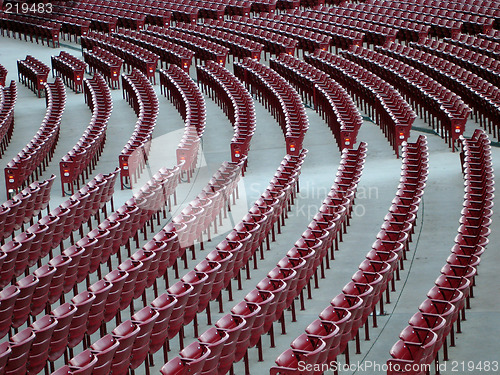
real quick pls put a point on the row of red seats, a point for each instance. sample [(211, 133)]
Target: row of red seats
[(168, 52), (272, 42), (493, 35), (274, 91), (329, 335), (263, 6), (484, 66), (22, 24), (238, 46), (311, 3), (227, 342), (439, 26), (381, 100), (3, 75), (133, 56), (328, 98), (235, 101), (129, 19), (429, 328), (8, 98), (33, 73), (32, 159), (22, 208), (481, 95), (340, 37), (287, 4), (374, 34), (70, 68), (153, 15), (71, 25), (308, 40), (31, 246), (233, 8), (471, 23), (83, 157), (203, 49), (407, 29), (483, 7), (101, 61), (88, 309), (98, 21), (140, 94), (477, 44), (185, 95), (439, 102)]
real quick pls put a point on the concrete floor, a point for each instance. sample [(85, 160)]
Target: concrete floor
[(435, 232)]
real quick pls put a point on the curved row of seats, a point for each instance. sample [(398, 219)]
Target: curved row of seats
[(407, 30), (204, 49), (140, 94), (470, 23), (429, 328), (134, 57), (186, 96), (482, 96), (493, 35), (391, 112), (22, 24), (31, 246), (484, 66), (83, 157), (374, 34), (8, 98), (307, 40), (235, 101), (340, 37), (124, 18), (26, 166), (227, 342), (23, 207), (272, 42), (433, 25), (221, 265), (71, 322), (105, 62), (477, 44), (329, 98), (33, 73), (329, 335), (439, 102), (274, 91), (168, 52), (70, 68), (238, 46)]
